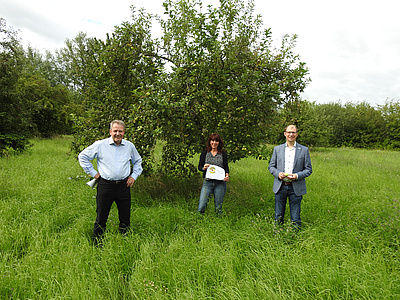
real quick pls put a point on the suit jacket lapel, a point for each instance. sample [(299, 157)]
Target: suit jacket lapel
[(283, 155), (296, 155)]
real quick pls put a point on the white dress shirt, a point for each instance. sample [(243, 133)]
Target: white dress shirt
[(289, 158)]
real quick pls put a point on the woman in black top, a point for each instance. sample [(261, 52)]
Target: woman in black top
[(217, 156)]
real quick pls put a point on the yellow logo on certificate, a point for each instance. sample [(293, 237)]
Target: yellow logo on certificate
[(215, 172)]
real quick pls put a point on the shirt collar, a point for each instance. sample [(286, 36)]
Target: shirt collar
[(111, 141), (294, 146)]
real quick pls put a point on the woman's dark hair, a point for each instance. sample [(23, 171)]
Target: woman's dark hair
[(215, 137)]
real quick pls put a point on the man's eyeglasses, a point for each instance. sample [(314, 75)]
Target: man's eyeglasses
[(291, 132)]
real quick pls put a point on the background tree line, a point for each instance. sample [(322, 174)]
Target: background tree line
[(34, 98), (213, 69), (334, 124)]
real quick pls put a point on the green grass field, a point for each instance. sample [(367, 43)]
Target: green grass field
[(348, 247)]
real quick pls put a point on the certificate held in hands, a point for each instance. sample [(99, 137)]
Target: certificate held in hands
[(215, 172)]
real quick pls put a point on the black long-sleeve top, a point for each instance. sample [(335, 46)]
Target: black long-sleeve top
[(202, 162)]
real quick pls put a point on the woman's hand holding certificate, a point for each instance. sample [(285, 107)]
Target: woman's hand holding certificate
[(215, 172)]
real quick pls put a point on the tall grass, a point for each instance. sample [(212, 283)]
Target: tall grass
[(348, 247)]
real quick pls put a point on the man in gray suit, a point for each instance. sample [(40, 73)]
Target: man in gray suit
[(290, 164)]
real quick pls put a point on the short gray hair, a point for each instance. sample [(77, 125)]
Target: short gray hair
[(119, 122)]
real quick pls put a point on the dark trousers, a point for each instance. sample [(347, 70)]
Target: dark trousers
[(107, 193)]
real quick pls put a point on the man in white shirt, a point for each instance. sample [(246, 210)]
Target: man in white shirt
[(115, 177), (290, 164)]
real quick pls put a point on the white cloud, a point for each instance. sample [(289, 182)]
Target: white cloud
[(350, 47), (47, 24)]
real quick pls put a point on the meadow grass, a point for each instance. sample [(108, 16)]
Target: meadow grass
[(348, 247)]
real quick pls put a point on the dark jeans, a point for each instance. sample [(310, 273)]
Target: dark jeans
[(107, 193), (285, 192)]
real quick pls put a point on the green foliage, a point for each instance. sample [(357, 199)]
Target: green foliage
[(211, 71), (14, 120), (304, 115), (114, 77), (33, 99), (48, 107), (13, 143), (220, 69), (391, 114), (335, 125), (352, 125), (225, 77), (48, 66)]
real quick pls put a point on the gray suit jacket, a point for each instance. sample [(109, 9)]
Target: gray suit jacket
[(302, 167)]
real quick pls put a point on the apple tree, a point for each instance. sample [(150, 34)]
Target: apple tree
[(213, 69), (224, 76)]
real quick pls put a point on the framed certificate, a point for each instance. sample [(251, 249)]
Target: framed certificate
[(215, 172)]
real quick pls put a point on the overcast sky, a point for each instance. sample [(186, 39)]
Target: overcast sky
[(351, 47)]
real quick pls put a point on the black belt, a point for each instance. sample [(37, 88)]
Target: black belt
[(115, 181), (287, 183)]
